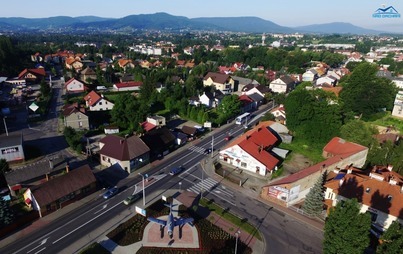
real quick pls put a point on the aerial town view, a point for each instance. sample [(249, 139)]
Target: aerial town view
[(206, 127)]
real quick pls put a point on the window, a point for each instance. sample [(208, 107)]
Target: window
[(80, 124), (79, 116), (243, 164), (100, 103)]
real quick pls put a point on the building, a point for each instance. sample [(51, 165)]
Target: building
[(378, 190), (32, 75), (60, 191), (128, 86), (97, 102), (161, 141), (291, 189), (74, 86), (12, 149), (219, 81), (282, 85), (252, 151), (88, 75), (76, 117), (129, 153), (398, 105)]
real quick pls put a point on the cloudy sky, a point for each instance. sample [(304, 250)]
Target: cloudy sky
[(286, 13)]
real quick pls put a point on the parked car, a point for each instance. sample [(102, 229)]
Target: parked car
[(110, 192), (132, 198), (176, 170)]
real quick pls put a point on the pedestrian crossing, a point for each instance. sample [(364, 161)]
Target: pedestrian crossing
[(197, 149), (210, 185)]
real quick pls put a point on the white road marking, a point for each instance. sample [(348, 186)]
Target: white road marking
[(41, 243), (40, 250)]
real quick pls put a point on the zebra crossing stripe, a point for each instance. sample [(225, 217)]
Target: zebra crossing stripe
[(207, 185)]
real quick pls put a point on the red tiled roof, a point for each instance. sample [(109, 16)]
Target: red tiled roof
[(147, 126), (338, 146), (92, 98), (37, 72), (259, 154), (129, 84)]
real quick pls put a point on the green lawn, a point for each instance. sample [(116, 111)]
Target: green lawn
[(388, 120), (241, 223), (314, 153)]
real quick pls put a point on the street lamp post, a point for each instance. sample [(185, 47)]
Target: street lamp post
[(201, 185), (236, 241), (144, 192), (180, 186), (5, 125)]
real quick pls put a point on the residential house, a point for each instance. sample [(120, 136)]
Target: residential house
[(97, 102), (126, 64), (378, 190), (12, 149), (32, 75), (398, 105), (190, 131), (257, 98), (126, 77), (128, 86), (211, 100), (240, 83), (74, 63), (75, 86), (247, 103), (58, 192), (128, 153), (219, 81), (153, 122), (88, 74), (180, 138), (76, 117), (160, 141), (282, 85), (252, 151), (327, 81), (310, 75), (279, 114), (291, 189)]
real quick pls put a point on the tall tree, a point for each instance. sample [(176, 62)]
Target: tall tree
[(391, 240), (360, 132), (346, 229), (313, 204), (229, 106)]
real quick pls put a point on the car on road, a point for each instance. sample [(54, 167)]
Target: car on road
[(228, 137), (132, 198), (207, 151), (110, 192), (176, 170)]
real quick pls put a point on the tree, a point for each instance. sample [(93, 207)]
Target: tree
[(313, 204), (346, 229), (360, 132), (4, 167), (45, 89), (392, 239), (6, 214), (229, 106)]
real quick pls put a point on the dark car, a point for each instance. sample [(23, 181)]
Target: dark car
[(207, 151), (110, 192), (176, 170), (132, 198)]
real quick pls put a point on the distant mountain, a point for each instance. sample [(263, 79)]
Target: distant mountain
[(246, 24), (336, 28), (165, 21)]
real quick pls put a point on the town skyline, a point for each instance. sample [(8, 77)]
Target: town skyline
[(291, 14)]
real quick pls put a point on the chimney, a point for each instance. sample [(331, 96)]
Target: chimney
[(50, 164), (67, 168), (341, 182), (390, 167)]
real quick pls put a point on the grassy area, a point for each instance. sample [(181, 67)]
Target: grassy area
[(314, 153), (95, 248), (388, 120), (277, 173), (241, 223)]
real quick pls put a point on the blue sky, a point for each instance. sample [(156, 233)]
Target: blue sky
[(286, 13)]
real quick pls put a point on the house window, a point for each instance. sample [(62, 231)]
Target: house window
[(243, 164), (79, 116), (103, 158), (100, 103), (80, 124)]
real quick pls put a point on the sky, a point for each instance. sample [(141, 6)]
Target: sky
[(289, 13)]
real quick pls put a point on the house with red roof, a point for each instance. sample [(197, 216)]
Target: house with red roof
[(97, 102), (32, 75), (128, 86), (128, 153), (378, 190), (252, 151), (338, 153), (75, 86), (279, 114), (74, 63)]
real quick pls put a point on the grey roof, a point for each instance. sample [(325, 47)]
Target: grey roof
[(256, 97), (287, 80), (14, 139), (241, 80), (35, 171)]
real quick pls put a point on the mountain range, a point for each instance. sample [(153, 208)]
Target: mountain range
[(164, 21)]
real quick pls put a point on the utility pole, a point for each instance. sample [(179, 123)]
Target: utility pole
[(5, 125), (144, 193), (236, 241), (212, 146)]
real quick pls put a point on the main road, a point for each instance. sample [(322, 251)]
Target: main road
[(282, 233)]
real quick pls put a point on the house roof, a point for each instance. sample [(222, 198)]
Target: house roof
[(88, 71), (243, 81), (379, 188), (217, 77), (147, 126), (13, 139), (383, 137), (336, 90), (338, 146), (92, 98), (123, 149), (159, 139), (189, 130), (287, 80), (129, 84), (259, 154), (37, 72), (263, 89), (256, 97), (71, 80), (73, 108), (61, 186)]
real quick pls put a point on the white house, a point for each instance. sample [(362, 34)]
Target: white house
[(379, 191), (96, 102), (398, 105), (328, 81), (310, 75), (251, 151), (282, 85), (74, 86), (398, 82), (211, 100)]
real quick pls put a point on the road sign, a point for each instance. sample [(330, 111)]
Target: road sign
[(141, 211), (33, 107)]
